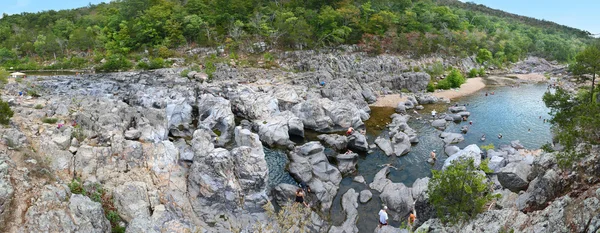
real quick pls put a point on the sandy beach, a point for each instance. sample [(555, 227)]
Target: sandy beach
[(388, 100), (471, 86)]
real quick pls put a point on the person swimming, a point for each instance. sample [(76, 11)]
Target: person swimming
[(499, 136), (483, 137)]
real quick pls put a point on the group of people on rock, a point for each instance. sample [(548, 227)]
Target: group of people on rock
[(383, 217)]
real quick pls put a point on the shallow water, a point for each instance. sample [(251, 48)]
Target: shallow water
[(511, 111)]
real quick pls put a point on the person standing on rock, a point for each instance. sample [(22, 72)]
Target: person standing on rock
[(411, 219), (433, 155), (349, 131), (300, 197), (383, 217)]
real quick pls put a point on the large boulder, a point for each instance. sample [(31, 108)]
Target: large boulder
[(385, 144), (401, 143), (457, 109), (309, 164), (451, 138), (276, 130), (346, 163), (252, 105), (335, 141), (450, 150), (179, 117), (325, 115), (470, 152), (496, 163), (6, 188), (88, 215), (350, 206), (358, 142), (514, 176), (396, 196), (131, 200), (215, 114), (541, 190), (284, 193), (439, 124), (365, 196)]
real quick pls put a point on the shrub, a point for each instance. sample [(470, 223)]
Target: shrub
[(49, 120), (482, 72), (547, 148), (115, 63), (483, 55), (38, 106), (444, 84), (184, 73), (455, 78), (473, 73), (5, 113), (436, 69), (76, 186), (484, 166), (33, 93), (430, 87), (156, 63), (488, 147), (460, 192)]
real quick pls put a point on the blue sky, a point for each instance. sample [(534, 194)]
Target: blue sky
[(582, 14), (18, 6)]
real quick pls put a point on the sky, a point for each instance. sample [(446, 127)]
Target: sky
[(582, 14), (18, 6)]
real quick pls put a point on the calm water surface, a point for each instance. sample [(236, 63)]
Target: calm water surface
[(510, 111)]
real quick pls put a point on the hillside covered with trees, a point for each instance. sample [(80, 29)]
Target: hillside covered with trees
[(125, 32)]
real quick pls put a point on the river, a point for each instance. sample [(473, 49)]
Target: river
[(513, 112)]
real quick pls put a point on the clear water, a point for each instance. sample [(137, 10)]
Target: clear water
[(510, 111)]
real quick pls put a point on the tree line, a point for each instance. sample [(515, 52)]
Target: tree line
[(131, 30)]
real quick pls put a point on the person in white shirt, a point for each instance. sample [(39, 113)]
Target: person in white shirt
[(383, 217)]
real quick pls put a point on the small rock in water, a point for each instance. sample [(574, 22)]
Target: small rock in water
[(365, 196), (359, 179)]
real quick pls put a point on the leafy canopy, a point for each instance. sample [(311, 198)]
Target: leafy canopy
[(460, 192)]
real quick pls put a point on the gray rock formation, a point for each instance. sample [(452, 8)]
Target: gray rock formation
[(358, 142), (6, 188), (365, 196), (324, 115), (309, 164), (451, 138), (514, 176), (469, 152), (396, 196), (88, 215), (349, 205), (215, 114), (439, 124), (346, 163), (450, 150), (276, 130), (335, 141), (131, 200)]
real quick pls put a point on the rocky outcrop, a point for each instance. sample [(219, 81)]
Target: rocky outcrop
[(451, 138), (365, 196), (276, 130), (324, 115), (131, 201), (346, 163), (469, 152), (309, 164), (335, 141), (6, 188), (439, 124), (358, 142), (396, 196), (514, 176), (349, 205), (214, 113)]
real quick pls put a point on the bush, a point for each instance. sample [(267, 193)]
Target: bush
[(488, 147), (38, 106), (33, 93), (430, 87), (444, 84), (435, 70), (76, 186), (473, 73), (184, 73), (157, 63), (482, 72), (49, 120), (547, 148), (455, 78), (5, 113), (483, 55), (115, 63), (460, 192)]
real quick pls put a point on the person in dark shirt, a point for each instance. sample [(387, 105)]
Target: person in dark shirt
[(300, 197)]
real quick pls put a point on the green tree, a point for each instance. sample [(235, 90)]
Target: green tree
[(588, 62), (483, 55), (459, 192), (455, 78)]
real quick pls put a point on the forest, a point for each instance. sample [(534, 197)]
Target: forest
[(123, 33)]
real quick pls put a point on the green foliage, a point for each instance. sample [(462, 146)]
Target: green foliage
[(49, 120), (76, 186), (488, 147), (588, 62), (482, 72), (115, 63), (3, 77), (484, 166), (547, 147), (38, 106), (435, 70), (473, 73), (459, 193), (162, 27), (33, 93), (454, 80), (5, 113), (483, 55), (430, 87), (576, 123)]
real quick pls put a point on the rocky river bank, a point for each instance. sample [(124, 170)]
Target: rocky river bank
[(174, 154)]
